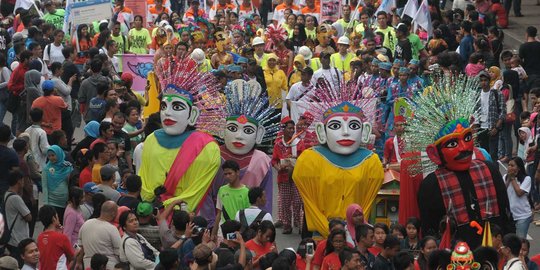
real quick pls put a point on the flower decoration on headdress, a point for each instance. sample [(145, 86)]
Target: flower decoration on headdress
[(275, 35), (221, 38), (245, 104), (462, 258), (326, 101), (447, 106), (250, 28), (181, 79)]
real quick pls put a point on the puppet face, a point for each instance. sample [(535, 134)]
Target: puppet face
[(241, 135), (177, 114), (454, 151), (343, 133)]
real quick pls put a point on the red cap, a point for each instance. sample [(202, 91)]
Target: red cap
[(286, 120), (127, 77)]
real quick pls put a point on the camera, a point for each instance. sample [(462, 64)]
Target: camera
[(197, 230), (231, 236)]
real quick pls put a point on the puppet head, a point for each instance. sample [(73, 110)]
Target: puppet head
[(462, 258)]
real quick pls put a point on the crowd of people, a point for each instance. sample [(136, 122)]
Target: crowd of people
[(92, 207)]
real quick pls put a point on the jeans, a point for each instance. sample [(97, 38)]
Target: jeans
[(490, 143), (522, 226), (517, 6), (505, 141)]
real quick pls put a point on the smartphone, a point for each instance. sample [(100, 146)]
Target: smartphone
[(309, 249), (231, 236), (183, 207)]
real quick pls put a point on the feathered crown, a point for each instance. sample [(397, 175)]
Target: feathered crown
[(444, 107), (180, 78), (348, 98), (246, 104), (274, 34)]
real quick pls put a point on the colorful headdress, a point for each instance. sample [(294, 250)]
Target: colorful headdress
[(462, 258), (326, 101), (324, 31), (181, 79), (448, 105), (221, 38), (274, 34), (246, 104), (250, 28)]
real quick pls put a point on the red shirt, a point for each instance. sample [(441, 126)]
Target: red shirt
[(318, 257), (53, 247), (375, 250), (16, 81), (282, 151), (85, 176), (390, 152), (52, 112), (500, 13), (258, 249), (331, 262)]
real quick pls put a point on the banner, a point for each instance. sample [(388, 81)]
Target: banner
[(330, 10), (138, 7), (85, 11), (138, 65)]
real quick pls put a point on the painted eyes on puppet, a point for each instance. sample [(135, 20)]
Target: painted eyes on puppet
[(334, 125), (249, 130), (232, 127), (178, 106), (355, 125), (163, 105), (468, 137), (453, 143)]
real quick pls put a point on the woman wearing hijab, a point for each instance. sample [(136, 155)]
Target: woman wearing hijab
[(32, 78), (355, 217), (91, 130), (55, 178), (496, 81)]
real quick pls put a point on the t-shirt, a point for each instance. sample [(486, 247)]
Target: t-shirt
[(403, 50), (257, 249), (484, 109), (55, 55), (298, 91), (121, 42), (139, 40), (85, 176), (390, 39), (96, 109), (529, 52), (381, 263), (15, 205), (8, 160), (53, 247), (123, 140), (416, 45), (128, 201), (331, 262), (251, 213), (519, 206), (52, 107), (56, 19), (232, 200), (98, 236), (109, 192), (87, 210), (96, 173)]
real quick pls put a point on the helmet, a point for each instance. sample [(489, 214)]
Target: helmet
[(305, 52), (343, 40), (198, 56), (257, 41)]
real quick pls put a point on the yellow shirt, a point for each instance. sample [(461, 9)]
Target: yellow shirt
[(340, 62), (96, 173), (318, 178), (276, 85)]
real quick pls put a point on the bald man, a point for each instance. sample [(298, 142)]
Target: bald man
[(98, 235)]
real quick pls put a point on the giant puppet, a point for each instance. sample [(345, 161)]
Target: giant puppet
[(467, 190), (248, 122), (177, 157), (338, 172)]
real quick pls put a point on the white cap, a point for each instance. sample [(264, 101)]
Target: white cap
[(257, 41), (103, 21), (198, 56), (163, 23), (305, 51), (343, 40)]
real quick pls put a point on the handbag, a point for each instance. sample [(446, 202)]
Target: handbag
[(510, 107)]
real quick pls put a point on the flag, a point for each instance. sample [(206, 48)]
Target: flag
[(386, 5), (423, 18), (487, 240), (26, 4), (410, 8)]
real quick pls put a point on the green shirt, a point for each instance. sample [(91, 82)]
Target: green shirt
[(390, 39), (232, 200), (139, 40), (56, 19), (120, 41), (416, 45)]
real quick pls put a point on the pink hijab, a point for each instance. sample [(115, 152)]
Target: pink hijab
[(351, 210), (116, 222)]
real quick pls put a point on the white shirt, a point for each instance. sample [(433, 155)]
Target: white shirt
[(56, 54), (514, 264), (251, 213), (332, 75), (137, 157), (38, 144), (298, 91), (519, 206), (484, 110)]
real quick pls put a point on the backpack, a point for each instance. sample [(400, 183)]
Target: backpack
[(248, 232), (6, 236), (148, 252)]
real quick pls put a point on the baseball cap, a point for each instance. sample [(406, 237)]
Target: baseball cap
[(91, 187), (144, 209), (17, 37), (47, 85), (127, 77), (484, 73), (8, 262), (107, 171)]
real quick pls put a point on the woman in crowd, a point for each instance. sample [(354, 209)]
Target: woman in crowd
[(518, 186), (83, 42), (336, 243), (411, 240), (263, 242), (55, 178), (355, 217), (135, 249), (73, 218), (427, 245)]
